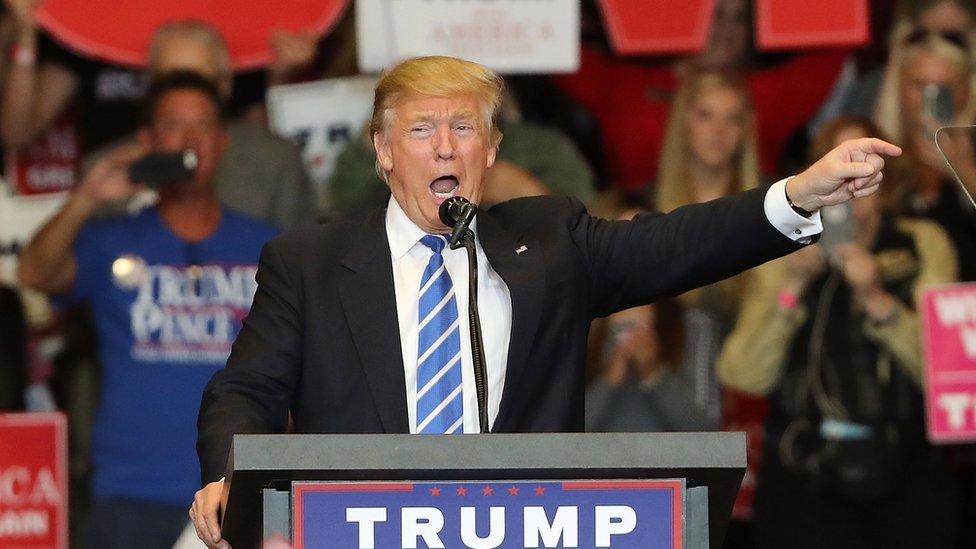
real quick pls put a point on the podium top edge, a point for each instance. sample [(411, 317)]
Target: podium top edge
[(711, 450)]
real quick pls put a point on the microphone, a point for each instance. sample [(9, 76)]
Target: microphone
[(457, 212)]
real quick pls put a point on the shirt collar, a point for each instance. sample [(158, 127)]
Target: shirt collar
[(403, 233)]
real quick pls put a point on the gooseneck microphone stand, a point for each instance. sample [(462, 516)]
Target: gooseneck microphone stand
[(458, 213)]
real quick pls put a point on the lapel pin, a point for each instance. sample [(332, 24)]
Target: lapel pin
[(521, 249)]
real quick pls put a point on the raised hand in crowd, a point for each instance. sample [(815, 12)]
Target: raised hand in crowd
[(862, 274), (108, 178), (22, 12), (33, 94), (47, 263), (293, 50), (636, 347)]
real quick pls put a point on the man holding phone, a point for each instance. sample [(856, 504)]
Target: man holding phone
[(168, 289)]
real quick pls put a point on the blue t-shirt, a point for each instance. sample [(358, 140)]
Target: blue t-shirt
[(166, 313)]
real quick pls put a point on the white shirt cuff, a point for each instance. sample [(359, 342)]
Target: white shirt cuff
[(781, 215)]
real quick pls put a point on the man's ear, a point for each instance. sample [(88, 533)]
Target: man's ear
[(383, 152), (493, 151)]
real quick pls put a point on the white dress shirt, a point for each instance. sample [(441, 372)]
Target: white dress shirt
[(410, 258)]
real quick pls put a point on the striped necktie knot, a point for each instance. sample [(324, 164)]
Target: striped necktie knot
[(435, 242)]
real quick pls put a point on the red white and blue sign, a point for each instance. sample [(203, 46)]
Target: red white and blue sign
[(639, 514)]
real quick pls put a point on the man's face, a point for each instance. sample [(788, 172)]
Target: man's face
[(188, 119), (435, 148)]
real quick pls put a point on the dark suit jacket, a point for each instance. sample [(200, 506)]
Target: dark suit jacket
[(322, 338)]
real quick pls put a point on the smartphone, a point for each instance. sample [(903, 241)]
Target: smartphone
[(838, 228), (938, 102), (160, 169)]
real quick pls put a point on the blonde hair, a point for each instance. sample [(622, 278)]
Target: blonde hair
[(205, 34), (673, 187), (888, 113), (437, 76)]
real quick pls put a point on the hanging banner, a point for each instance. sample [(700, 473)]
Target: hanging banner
[(33, 481), (119, 32), (792, 24), (949, 338), (321, 118), (510, 36), (657, 26)]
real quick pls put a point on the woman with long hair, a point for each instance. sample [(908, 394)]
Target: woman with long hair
[(656, 366), (925, 185)]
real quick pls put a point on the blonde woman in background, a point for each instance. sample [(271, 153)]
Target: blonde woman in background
[(955, 19), (835, 347), (926, 187), (709, 152)]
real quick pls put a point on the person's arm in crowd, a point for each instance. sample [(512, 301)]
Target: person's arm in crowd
[(34, 93), (890, 323), (754, 354), (47, 263), (293, 51)]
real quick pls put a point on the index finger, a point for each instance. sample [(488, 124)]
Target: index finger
[(873, 145)]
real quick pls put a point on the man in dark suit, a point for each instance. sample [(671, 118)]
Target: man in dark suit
[(355, 325)]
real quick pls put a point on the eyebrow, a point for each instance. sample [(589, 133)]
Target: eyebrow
[(429, 116)]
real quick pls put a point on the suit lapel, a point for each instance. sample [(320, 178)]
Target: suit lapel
[(519, 262), (369, 302)]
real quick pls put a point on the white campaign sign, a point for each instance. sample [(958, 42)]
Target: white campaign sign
[(20, 217), (321, 117), (510, 36)]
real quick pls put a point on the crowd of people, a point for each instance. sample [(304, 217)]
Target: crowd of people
[(819, 351)]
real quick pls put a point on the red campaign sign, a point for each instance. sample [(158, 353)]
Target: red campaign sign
[(657, 26), (667, 26), (119, 32), (50, 163), (783, 24), (949, 338), (33, 481)]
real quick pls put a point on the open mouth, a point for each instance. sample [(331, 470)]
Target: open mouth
[(445, 187)]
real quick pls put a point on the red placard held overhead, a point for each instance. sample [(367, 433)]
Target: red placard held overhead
[(119, 32), (792, 24), (657, 26), (33, 481)]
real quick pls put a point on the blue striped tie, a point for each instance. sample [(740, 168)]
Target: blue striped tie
[(439, 394)]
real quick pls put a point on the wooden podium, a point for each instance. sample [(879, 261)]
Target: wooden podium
[(703, 470)]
